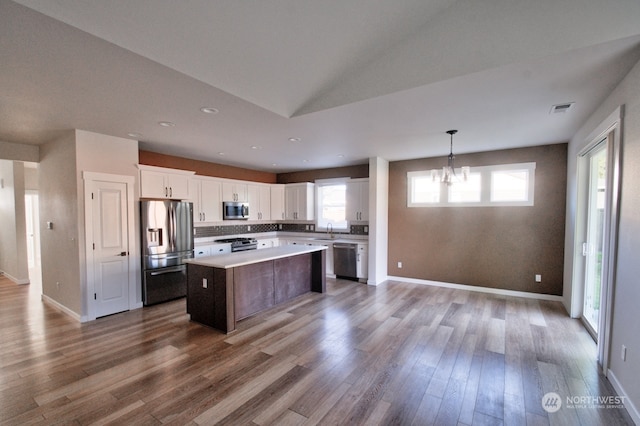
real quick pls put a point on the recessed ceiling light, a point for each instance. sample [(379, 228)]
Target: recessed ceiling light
[(134, 135), (221, 153), (256, 147), (166, 124), (340, 156), (305, 161), (209, 110), (295, 139)]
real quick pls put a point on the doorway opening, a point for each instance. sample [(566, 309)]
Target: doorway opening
[(33, 241)]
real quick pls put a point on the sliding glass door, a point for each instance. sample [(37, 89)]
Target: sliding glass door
[(593, 246)]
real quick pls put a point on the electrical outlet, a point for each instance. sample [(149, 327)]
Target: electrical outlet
[(538, 278), (623, 353), (58, 285), (248, 227), (205, 284), (400, 265), (280, 226)]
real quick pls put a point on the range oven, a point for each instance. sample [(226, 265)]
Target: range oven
[(240, 243)]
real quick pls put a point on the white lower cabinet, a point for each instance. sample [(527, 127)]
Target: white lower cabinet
[(362, 261), (329, 261), (212, 250), (202, 251), (307, 242), (268, 242)]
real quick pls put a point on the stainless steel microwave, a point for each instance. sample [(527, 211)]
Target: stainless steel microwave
[(235, 210)]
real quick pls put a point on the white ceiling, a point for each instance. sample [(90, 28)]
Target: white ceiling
[(353, 79)]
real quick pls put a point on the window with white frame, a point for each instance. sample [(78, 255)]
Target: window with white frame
[(331, 204), (498, 185)]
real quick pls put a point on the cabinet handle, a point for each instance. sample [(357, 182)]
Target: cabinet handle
[(166, 191), (204, 216), (170, 192)]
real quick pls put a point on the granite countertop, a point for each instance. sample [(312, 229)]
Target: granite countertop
[(241, 258)]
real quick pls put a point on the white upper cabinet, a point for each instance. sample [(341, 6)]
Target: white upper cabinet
[(206, 195), (158, 182), (277, 202), (235, 191), (358, 200), (259, 196), (299, 201)]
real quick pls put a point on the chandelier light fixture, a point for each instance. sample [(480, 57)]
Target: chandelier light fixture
[(449, 172)]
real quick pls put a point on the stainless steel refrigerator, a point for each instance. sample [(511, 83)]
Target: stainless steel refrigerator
[(167, 241)]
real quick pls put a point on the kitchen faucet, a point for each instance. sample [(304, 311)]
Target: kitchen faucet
[(330, 230)]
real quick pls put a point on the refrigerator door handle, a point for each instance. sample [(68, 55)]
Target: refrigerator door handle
[(174, 225), (172, 230), (168, 271)]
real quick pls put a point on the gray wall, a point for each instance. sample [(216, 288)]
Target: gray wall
[(13, 242), (19, 152), (60, 250), (626, 321), (61, 190), (496, 247), (112, 155)]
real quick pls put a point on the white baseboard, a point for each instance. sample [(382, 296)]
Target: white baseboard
[(46, 299), (14, 279), (628, 404), (499, 291)]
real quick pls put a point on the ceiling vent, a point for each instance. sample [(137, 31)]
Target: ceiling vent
[(561, 108)]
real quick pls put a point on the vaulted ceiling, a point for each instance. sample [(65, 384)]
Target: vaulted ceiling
[(350, 79)]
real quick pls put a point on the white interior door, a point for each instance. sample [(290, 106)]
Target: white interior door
[(110, 248), (110, 244)]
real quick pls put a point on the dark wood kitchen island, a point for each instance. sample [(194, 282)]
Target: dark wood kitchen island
[(222, 290)]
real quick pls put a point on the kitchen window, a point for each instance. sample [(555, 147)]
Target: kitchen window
[(497, 185), (331, 204)]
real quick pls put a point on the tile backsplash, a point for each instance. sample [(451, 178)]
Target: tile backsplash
[(221, 230)]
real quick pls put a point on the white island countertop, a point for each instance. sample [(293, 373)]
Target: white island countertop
[(241, 258)]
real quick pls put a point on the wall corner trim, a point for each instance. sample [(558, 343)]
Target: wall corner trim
[(14, 279), (628, 404), (498, 291), (57, 305)]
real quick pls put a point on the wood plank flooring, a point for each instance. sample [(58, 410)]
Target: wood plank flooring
[(394, 354)]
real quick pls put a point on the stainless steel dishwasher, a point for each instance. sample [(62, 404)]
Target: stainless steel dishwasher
[(345, 260)]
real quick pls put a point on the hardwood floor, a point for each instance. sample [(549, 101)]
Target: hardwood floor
[(394, 354)]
